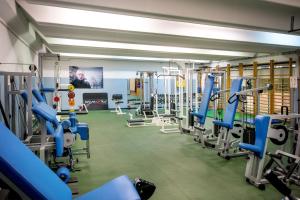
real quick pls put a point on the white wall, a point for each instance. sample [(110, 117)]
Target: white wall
[(114, 69), (14, 50)]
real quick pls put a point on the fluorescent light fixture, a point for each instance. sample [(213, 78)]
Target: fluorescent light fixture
[(144, 47), (97, 56), (170, 68), (102, 20)]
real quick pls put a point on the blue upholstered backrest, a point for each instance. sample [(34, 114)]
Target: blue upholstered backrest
[(261, 132), (209, 84), (236, 86), (27, 171)]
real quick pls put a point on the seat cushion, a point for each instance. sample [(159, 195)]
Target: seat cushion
[(198, 115), (83, 131), (120, 188), (222, 124), (261, 133), (250, 147)]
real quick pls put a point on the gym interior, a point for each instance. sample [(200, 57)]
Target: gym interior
[(137, 100)]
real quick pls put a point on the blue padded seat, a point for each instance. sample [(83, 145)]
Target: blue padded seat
[(261, 132), (198, 115), (223, 124), (228, 121), (38, 182), (83, 131), (202, 111), (252, 121), (120, 188)]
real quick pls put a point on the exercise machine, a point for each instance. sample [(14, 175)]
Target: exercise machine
[(267, 129), (29, 178), (201, 114), (213, 89), (146, 91), (173, 101), (223, 143), (118, 99), (72, 126)]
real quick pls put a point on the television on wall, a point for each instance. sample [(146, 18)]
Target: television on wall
[(86, 77)]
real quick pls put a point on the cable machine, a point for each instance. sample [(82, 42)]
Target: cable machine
[(146, 85), (17, 113)]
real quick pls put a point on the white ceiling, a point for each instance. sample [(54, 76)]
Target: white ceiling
[(240, 28)]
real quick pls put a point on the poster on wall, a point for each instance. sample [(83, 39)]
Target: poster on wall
[(95, 101), (86, 77)]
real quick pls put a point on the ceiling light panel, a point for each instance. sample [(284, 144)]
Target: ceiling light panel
[(101, 20), (143, 47), (97, 56)]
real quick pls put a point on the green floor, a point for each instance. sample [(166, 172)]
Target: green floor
[(179, 167)]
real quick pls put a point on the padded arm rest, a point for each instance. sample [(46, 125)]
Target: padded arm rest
[(120, 188), (59, 140)]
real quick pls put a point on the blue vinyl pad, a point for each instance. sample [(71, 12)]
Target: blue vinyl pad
[(202, 112), (261, 132), (236, 86)]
